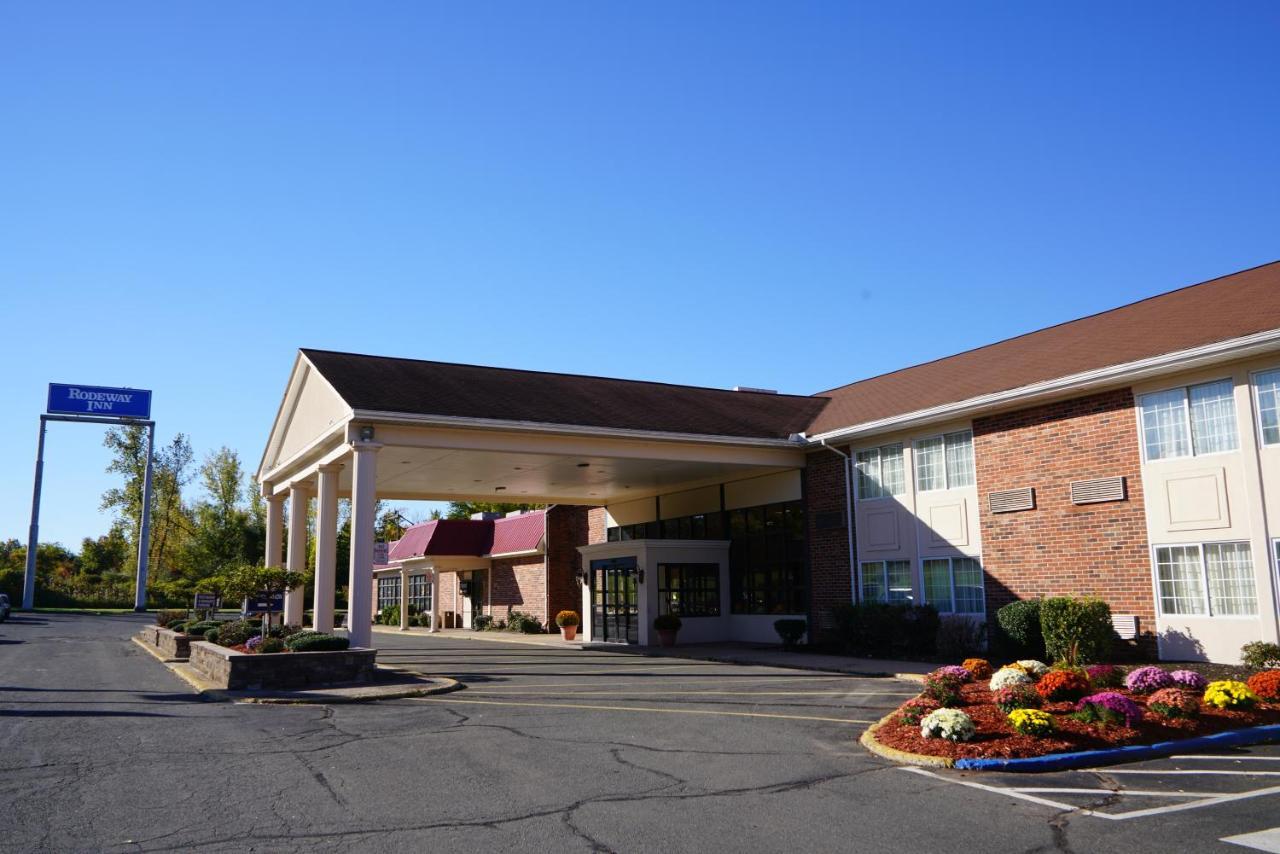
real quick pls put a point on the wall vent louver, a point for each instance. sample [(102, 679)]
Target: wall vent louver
[(1012, 500), (1097, 490)]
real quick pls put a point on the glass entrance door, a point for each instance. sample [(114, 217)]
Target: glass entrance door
[(615, 608), (478, 595)]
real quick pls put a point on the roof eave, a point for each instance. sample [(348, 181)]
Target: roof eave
[(1128, 372)]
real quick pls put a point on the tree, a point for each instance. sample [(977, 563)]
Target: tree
[(218, 538), (245, 580), (465, 509)]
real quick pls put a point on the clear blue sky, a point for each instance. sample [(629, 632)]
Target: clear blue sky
[(789, 195)]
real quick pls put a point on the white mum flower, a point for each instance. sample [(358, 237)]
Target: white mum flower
[(951, 724), (1006, 677), (1035, 668)]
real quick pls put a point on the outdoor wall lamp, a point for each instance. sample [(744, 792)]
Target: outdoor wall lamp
[(640, 575), (366, 434)]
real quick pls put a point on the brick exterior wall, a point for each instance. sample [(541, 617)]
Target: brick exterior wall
[(1060, 548), (827, 518), (517, 584)]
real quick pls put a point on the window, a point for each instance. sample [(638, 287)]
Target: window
[(887, 581), (388, 591), (689, 589), (954, 585), (1214, 579), (944, 462), (880, 472), (1198, 419), (1268, 385), (420, 594)]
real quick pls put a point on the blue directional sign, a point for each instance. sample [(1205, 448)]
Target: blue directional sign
[(264, 603), (98, 400)]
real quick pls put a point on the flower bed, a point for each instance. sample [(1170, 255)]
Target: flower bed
[(1070, 730)]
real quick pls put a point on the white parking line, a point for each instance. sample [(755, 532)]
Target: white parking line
[(1262, 840), (1211, 800), (1156, 771), (1230, 758), (1137, 792)]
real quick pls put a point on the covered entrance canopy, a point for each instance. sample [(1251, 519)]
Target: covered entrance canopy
[(370, 427)]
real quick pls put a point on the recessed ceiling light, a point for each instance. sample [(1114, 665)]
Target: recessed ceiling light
[(477, 480), (583, 465), (405, 462), (498, 488), (517, 468)]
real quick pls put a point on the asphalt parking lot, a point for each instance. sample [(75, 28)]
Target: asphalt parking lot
[(103, 749)]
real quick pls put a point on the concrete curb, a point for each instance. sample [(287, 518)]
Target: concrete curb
[(902, 757), (153, 652), (208, 691), (1132, 753)]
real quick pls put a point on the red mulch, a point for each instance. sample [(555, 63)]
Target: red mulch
[(997, 739)]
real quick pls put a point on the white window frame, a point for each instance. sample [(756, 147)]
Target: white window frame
[(393, 582), (1186, 420), (1208, 613), (884, 579), (946, 476), (951, 577), (879, 449), (1257, 405)]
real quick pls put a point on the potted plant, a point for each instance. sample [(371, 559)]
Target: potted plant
[(568, 623), (667, 625)]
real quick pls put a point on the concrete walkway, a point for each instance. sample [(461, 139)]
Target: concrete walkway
[(770, 656), (726, 653)]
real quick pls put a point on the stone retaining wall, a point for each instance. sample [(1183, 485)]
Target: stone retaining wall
[(238, 671), (170, 644)]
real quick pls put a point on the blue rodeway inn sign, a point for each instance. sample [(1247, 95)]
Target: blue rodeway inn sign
[(97, 400)]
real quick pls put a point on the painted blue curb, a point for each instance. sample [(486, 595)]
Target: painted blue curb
[(1111, 756)]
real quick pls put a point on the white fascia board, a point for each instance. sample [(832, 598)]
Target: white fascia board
[(562, 429), (291, 392), (277, 475), (525, 553), (1127, 373)]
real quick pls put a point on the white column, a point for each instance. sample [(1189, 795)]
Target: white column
[(295, 600), (404, 599), (326, 547), (435, 600), (275, 528), (364, 478)]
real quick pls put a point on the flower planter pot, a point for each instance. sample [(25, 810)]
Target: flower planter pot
[(233, 670), (666, 637), (568, 632)]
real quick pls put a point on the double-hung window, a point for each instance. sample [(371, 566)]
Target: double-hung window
[(944, 462), (1267, 384), (388, 591), (953, 585), (880, 472), (1210, 579), (1190, 421), (420, 594), (886, 581)]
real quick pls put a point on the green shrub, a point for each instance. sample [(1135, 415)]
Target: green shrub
[(919, 628), (667, 623), (960, 637), (867, 628), (790, 631), (316, 642), (389, 616), (237, 632), (1076, 630), (482, 623), (271, 645), (212, 635), (165, 617), (523, 623), (199, 627), (1020, 629), (1260, 655)]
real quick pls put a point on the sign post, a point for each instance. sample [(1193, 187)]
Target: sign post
[(94, 405)]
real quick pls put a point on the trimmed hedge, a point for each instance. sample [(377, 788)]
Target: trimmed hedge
[(1020, 628), (877, 628), (1076, 631), (316, 642)]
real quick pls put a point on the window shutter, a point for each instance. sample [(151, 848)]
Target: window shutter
[(1012, 500), (1097, 490)]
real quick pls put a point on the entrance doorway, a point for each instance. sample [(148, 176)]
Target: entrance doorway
[(615, 609), (478, 596)]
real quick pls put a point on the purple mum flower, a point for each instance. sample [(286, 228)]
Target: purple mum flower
[(253, 643), (1144, 680), (1189, 679), (954, 671), (1118, 704)]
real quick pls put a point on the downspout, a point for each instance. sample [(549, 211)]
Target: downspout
[(848, 517), (546, 568)]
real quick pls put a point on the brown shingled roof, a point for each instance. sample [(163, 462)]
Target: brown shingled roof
[(1218, 310), (387, 384)]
